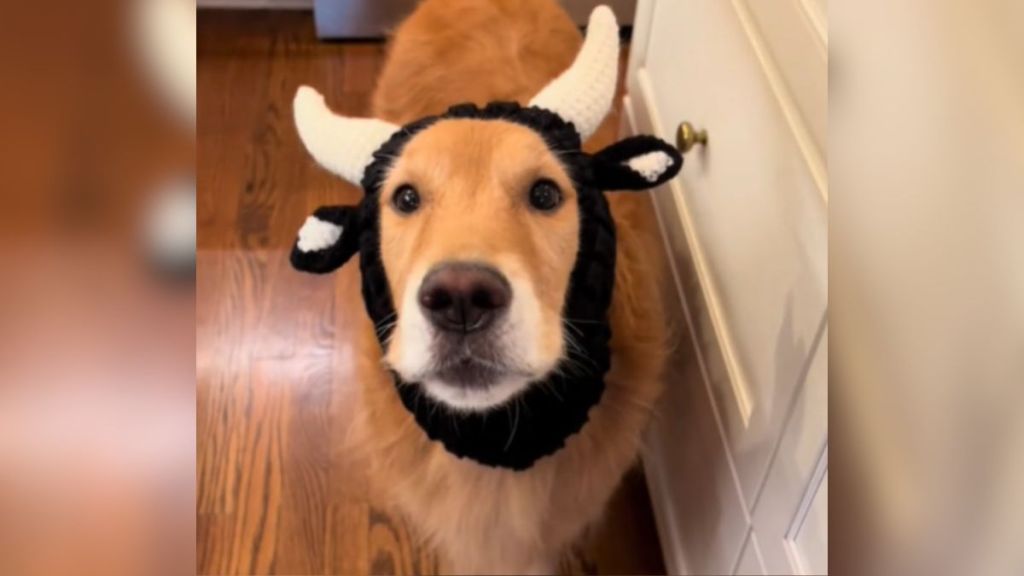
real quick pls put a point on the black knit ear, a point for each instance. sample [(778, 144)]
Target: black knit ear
[(636, 163), (327, 239)]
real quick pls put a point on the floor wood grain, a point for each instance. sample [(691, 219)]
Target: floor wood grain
[(279, 491)]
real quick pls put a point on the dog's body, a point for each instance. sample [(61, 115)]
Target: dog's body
[(486, 519)]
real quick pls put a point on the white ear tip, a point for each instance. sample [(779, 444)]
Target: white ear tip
[(652, 165), (317, 234)]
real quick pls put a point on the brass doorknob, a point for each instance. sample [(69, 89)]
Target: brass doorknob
[(688, 136)]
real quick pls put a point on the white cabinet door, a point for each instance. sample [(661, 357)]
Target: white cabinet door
[(752, 206), (745, 227), (791, 515), (750, 563)]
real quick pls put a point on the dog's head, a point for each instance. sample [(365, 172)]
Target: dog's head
[(479, 232), (473, 225)]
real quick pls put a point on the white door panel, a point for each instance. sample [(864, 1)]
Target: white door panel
[(685, 455), (750, 560), (794, 34), (791, 515), (753, 210), (737, 459), (809, 544)]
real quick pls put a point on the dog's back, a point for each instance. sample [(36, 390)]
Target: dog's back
[(453, 51)]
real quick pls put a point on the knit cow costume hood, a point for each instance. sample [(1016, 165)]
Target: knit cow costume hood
[(564, 114)]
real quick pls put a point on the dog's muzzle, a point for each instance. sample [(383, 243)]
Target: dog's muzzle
[(466, 303)]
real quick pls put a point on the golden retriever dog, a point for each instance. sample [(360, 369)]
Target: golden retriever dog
[(454, 215)]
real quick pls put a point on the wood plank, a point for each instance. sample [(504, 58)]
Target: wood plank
[(260, 472), (348, 545), (230, 291), (301, 540), (297, 316)]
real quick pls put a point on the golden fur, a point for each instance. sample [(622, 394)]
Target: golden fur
[(472, 176), (482, 519)]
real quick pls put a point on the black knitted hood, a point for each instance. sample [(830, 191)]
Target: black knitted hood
[(538, 421)]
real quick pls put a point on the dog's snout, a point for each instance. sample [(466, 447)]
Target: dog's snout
[(464, 297)]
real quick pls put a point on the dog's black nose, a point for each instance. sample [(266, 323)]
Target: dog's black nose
[(464, 297)]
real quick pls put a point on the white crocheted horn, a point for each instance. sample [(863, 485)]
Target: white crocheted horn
[(583, 93), (343, 145)]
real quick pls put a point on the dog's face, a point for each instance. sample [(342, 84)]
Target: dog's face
[(479, 232)]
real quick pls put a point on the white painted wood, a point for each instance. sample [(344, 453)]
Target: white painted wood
[(638, 47), (745, 232), (693, 482), (754, 215), (790, 518), (791, 38), (750, 560), (810, 540), (685, 453), (817, 13), (663, 494)]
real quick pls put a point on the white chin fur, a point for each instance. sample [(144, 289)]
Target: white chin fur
[(475, 399)]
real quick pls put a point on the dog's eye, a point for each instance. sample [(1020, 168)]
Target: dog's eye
[(545, 196), (406, 199)]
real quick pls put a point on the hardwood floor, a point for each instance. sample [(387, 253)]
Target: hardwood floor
[(279, 492)]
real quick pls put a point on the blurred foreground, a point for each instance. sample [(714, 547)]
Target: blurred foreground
[(97, 297), (926, 155)]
